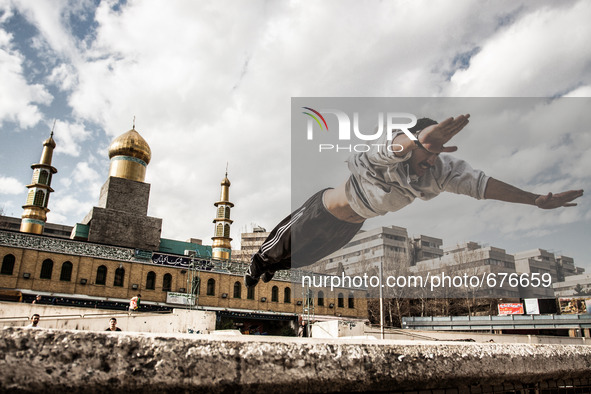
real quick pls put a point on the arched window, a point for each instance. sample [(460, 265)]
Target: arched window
[(227, 231), (227, 213), (250, 293), (287, 295), (39, 198), (219, 231), (46, 269), (351, 301), (101, 275), (220, 212), (167, 282), (237, 290), (341, 301), (211, 287), (43, 177), (7, 265), (119, 277), (320, 298), (275, 294), (151, 281), (66, 273)]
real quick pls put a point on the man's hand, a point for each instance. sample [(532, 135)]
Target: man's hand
[(551, 201), (498, 190), (433, 138)]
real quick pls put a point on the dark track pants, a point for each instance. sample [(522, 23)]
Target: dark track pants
[(304, 237)]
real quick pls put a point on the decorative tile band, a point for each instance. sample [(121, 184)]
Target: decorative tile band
[(34, 221), (78, 248), (129, 158), (65, 246)]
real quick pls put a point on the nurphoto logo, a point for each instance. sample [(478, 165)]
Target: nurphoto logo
[(388, 122)]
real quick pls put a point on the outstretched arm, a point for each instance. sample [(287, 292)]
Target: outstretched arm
[(497, 190), (433, 138)]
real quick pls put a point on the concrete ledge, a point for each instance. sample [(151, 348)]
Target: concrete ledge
[(38, 360)]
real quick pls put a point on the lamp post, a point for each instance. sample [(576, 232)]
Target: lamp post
[(381, 303), (193, 279)]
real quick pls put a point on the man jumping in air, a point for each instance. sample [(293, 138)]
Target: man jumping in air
[(381, 182)]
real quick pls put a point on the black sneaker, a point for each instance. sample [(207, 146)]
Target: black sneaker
[(267, 276), (253, 274)]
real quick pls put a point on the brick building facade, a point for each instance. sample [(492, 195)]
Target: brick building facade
[(116, 252)]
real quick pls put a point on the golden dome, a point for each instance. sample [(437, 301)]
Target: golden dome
[(131, 144), (225, 181)]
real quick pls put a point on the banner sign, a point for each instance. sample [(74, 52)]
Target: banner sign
[(531, 306), (574, 305), (180, 262), (180, 298), (511, 309), (143, 254)]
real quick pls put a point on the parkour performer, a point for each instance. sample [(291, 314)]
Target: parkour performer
[(384, 181)]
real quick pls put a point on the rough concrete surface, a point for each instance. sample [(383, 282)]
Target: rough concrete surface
[(39, 360)]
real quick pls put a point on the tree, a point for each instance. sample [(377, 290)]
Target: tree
[(581, 291)]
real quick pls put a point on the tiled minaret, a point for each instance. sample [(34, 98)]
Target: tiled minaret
[(35, 209), (222, 247)]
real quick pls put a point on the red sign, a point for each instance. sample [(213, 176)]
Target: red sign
[(511, 309)]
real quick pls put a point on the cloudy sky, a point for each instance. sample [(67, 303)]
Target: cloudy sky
[(211, 82)]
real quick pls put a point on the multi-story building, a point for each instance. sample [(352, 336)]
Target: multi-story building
[(117, 252), (470, 260), (367, 250), (576, 285), (565, 266), (250, 244), (426, 248), (540, 262)]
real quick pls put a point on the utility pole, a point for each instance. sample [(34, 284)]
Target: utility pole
[(381, 301), (308, 308), (193, 279)]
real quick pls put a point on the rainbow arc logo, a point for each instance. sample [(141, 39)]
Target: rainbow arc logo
[(318, 115)]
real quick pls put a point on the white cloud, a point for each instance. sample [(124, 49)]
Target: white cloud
[(67, 206), (69, 136), (63, 76), (84, 173), (5, 11), (582, 91), (48, 18), (544, 53), (86, 180), (9, 185), (18, 99)]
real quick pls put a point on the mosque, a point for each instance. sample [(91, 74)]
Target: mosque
[(117, 252)]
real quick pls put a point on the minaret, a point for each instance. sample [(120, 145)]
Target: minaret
[(35, 209), (222, 247)]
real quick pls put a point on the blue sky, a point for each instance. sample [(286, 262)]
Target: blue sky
[(210, 83)]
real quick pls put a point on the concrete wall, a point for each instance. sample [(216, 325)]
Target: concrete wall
[(337, 329), (179, 321), (417, 335), (340, 329), (98, 362)]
